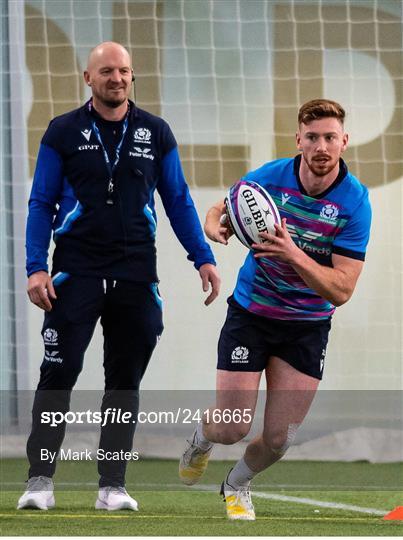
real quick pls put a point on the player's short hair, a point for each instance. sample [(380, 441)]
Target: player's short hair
[(320, 108)]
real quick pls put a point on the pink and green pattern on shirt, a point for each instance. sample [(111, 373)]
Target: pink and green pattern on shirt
[(277, 289)]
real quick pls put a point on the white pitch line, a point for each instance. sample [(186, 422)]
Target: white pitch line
[(322, 504), (310, 502)]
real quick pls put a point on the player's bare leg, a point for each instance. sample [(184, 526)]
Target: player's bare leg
[(227, 422), (236, 391), (230, 419), (289, 397)]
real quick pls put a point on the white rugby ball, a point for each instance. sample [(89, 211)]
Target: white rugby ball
[(251, 211)]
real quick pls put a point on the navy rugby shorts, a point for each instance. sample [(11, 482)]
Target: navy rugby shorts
[(247, 341)]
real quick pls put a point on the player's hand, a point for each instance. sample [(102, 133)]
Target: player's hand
[(209, 275), (40, 289), (217, 227), (280, 245), (225, 230)]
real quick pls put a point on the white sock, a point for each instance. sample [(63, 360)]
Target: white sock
[(240, 476), (200, 439)]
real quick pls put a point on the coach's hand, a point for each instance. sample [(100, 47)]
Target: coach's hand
[(40, 289), (209, 275)]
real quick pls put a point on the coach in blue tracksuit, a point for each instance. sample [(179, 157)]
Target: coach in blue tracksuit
[(97, 170)]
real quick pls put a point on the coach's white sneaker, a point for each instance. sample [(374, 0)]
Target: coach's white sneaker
[(38, 495), (238, 502), (193, 462), (115, 498)]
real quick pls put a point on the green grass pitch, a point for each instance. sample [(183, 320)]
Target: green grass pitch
[(168, 509)]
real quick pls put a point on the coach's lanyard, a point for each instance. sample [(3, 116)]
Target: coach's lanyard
[(111, 167)]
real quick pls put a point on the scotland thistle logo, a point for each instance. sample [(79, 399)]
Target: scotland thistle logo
[(239, 355), (330, 212), (50, 336)]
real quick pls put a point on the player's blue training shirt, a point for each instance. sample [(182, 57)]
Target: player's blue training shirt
[(336, 221), (99, 232)]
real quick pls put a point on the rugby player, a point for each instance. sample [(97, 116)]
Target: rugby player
[(279, 314)]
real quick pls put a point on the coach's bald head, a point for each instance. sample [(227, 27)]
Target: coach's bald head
[(107, 50), (109, 74)]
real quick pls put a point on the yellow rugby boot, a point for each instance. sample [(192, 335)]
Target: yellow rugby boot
[(238, 502), (193, 462)]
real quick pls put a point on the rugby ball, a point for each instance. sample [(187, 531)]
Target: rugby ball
[(250, 211)]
